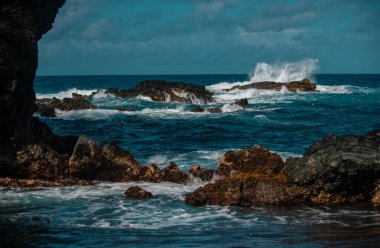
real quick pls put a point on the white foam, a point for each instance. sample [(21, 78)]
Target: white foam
[(67, 93), (284, 72), (228, 108)]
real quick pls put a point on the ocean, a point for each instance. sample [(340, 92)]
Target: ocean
[(160, 132)]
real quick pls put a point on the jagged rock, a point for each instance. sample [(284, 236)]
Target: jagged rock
[(243, 190), (347, 166), (376, 195), (96, 161), (32, 183), (197, 109), (43, 100), (22, 24), (203, 174), (162, 91), (250, 160), (172, 173), (68, 104), (242, 102), (151, 173), (40, 162), (136, 192), (294, 86)]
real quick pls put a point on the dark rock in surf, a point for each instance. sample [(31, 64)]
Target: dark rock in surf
[(45, 110), (215, 110), (242, 102), (162, 91), (294, 86), (136, 192), (124, 109), (151, 173), (68, 104), (172, 173), (96, 161), (345, 167), (250, 160), (203, 174)]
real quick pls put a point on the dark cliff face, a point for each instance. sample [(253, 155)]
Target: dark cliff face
[(22, 24)]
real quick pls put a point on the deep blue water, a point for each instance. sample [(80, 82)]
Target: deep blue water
[(99, 216)]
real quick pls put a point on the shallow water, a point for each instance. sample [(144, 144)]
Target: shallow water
[(286, 122)]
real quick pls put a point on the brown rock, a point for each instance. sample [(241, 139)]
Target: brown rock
[(96, 161), (242, 102), (172, 173), (45, 110), (136, 192), (40, 162), (43, 100), (303, 85), (215, 110), (68, 104), (250, 160), (124, 109), (203, 174), (151, 173), (376, 195)]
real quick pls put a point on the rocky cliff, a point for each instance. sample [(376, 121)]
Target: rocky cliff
[(22, 24)]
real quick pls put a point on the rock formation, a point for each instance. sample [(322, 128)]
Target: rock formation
[(22, 24), (162, 91), (335, 170), (294, 86), (201, 173), (136, 192)]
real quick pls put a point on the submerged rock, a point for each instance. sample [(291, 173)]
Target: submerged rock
[(203, 174), (68, 104), (294, 86), (250, 160), (96, 161), (151, 173), (162, 91), (242, 102), (347, 165), (197, 109), (136, 192), (172, 173)]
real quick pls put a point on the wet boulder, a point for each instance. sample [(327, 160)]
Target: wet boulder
[(162, 91), (151, 173), (172, 173), (45, 110), (202, 173), (197, 109), (304, 85), (32, 183), (93, 160), (346, 166), (215, 110), (136, 192), (250, 160), (376, 195)]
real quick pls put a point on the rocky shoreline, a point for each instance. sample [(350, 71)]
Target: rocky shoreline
[(335, 170)]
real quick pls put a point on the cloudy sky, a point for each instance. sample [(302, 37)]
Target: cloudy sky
[(91, 37)]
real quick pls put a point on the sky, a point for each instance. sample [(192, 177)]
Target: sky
[(132, 37)]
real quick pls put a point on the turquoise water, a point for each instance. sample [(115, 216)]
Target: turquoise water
[(287, 123)]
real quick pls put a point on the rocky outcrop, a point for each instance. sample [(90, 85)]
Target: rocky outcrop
[(250, 160), (201, 173), (97, 161), (172, 173), (136, 192), (22, 24), (162, 91), (243, 190), (151, 173), (347, 166), (335, 170), (294, 86), (48, 108), (242, 102)]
